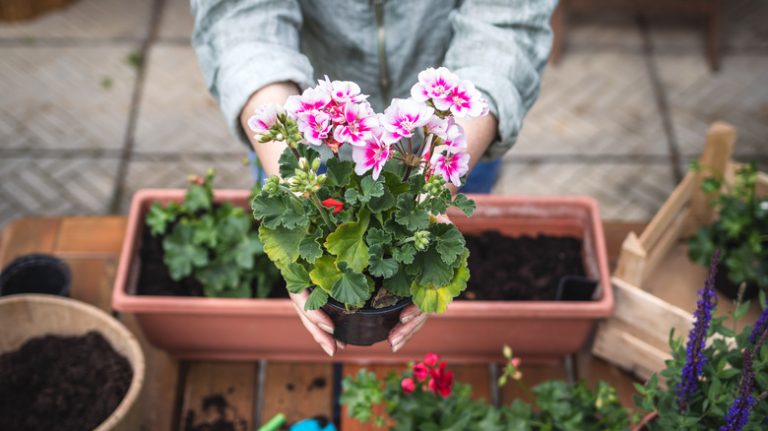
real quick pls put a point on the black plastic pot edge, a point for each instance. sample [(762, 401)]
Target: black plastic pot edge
[(730, 290), (36, 273), (576, 288), (366, 326)]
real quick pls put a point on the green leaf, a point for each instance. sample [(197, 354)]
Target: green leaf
[(232, 224), (435, 297), (205, 231), (465, 204), (377, 236), (408, 215), (243, 290), (219, 276), (450, 242), (346, 242), (382, 203), (337, 172), (181, 253), (352, 289), (246, 250), (325, 274), (405, 253), (158, 218), (316, 299), (288, 163), (310, 248), (434, 271), (379, 266), (741, 310), (296, 277), (399, 284), (369, 189), (281, 244), (197, 198), (273, 211)]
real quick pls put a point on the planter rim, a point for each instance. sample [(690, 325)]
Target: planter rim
[(137, 366), (122, 301)]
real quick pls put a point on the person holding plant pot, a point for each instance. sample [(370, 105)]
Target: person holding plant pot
[(255, 53)]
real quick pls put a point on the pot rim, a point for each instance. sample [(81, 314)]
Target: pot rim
[(402, 303)]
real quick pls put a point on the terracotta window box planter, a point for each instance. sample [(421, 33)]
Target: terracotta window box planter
[(470, 331)]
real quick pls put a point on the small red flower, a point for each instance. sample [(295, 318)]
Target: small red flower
[(336, 205), (431, 359), (516, 362), (408, 386), (420, 371), (441, 382)]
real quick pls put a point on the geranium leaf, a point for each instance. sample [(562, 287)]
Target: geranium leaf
[(273, 211), (450, 242), (296, 277), (205, 231), (434, 271), (316, 299), (197, 198), (409, 215), (382, 203), (399, 284), (404, 253), (324, 274), (246, 249), (434, 298), (310, 248), (281, 244), (219, 276), (379, 266), (288, 163), (181, 253), (352, 289), (346, 242), (377, 236), (338, 172), (465, 204), (158, 218)]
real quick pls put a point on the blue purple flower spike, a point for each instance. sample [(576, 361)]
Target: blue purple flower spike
[(738, 414), (761, 326), (697, 338)]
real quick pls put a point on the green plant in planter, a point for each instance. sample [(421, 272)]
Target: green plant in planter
[(216, 244), (718, 379), (740, 232), (364, 232), (424, 397)]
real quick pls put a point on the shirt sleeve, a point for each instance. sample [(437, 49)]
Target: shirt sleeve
[(243, 45), (502, 47)]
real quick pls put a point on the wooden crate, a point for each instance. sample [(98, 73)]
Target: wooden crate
[(655, 282)]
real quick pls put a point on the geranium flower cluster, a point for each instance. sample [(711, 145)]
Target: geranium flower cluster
[(336, 113), (437, 378)]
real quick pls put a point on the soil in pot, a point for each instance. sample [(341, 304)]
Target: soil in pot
[(154, 278), (61, 383), (520, 268)]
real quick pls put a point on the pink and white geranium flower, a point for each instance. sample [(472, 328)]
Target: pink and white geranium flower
[(315, 126), (359, 122), (435, 84), (450, 163), (312, 99), (343, 92), (403, 117), (455, 137), (263, 119), (467, 101), (373, 155)]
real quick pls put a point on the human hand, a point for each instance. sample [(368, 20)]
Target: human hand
[(319, 325)]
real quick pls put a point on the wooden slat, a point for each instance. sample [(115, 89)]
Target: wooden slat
[(476, 376), (615, 233), (297, 390), (91, 235), (92, 280), (233, 383), (29, 235)]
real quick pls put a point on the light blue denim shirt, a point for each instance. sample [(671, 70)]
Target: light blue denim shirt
[(501, 46)]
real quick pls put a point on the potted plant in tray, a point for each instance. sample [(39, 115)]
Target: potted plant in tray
[(363, 235), (718, 380), (425, 397), (740, 233)]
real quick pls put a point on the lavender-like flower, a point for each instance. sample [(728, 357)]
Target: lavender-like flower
[(697, 338), (760, 326), (738, 414)]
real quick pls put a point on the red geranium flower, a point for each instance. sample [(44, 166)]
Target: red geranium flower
[(420, 371), (441, 382), (408, 385), (337, 205), (431, 359)]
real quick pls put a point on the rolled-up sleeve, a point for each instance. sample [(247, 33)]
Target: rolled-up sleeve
[(502, 47), (243, 45)]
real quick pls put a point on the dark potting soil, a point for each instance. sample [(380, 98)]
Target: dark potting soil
[(215, 414), (520, 268), (61, 383), (154, 278)]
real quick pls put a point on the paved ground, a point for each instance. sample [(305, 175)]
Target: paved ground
[(105, 97)]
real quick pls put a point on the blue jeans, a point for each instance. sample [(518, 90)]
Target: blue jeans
[(480, 181)]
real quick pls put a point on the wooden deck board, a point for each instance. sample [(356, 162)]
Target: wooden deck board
[(29, 235), (297, 390)]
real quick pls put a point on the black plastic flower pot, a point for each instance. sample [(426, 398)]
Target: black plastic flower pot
[(366, 326), (35, 273), (724, 285), (576, 288)]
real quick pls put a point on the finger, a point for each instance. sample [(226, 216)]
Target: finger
[(409, 313), (443, 218), (317, 317), (325, 340), (403, 331), (414, 330), (340, 345)]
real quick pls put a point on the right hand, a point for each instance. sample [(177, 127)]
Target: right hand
[(319, 325)]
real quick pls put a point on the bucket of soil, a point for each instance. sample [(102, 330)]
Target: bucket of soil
[(66, 365), (366, 326), (35, 273)]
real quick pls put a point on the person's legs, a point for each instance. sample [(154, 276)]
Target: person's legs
[(482, 178)]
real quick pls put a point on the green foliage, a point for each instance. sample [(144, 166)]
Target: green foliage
[(740, 231), (216, 244), (718, 385), (382, 240)]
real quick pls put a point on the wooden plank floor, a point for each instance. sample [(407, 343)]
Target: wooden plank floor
[(194, 395)]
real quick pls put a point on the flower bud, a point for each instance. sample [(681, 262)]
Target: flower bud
[(303, 164), (421, 240), (316, 164), (279, 137)]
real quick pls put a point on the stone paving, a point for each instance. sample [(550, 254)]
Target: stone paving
[(105, 97)]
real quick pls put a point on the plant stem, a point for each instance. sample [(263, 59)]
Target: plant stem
[(321, 208)]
